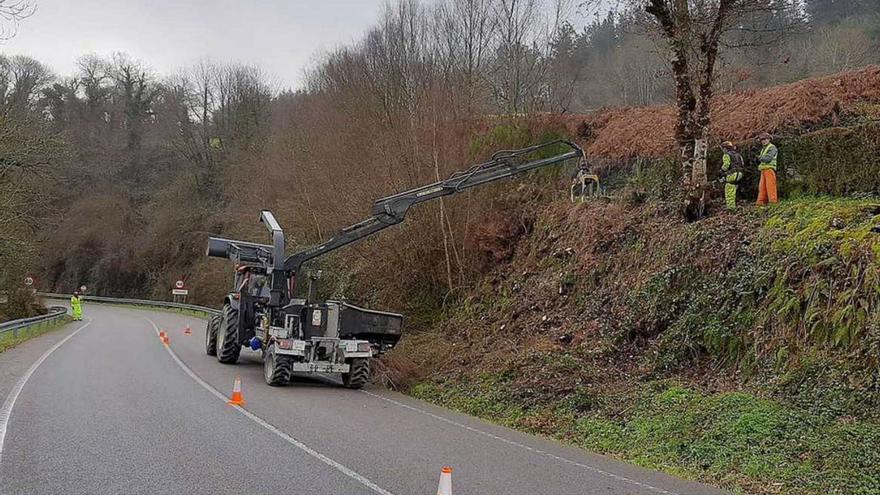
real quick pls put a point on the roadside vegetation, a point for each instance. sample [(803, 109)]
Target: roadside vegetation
[(8, 340), (739, 350), (738, 440)]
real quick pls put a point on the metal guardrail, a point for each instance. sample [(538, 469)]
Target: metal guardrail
[(134, 302), (55, 313)]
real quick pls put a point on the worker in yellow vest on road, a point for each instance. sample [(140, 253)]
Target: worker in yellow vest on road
[(767, 166), (76, 306)]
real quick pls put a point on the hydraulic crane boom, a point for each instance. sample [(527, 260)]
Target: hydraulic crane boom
[(392, 210), (386, 212)]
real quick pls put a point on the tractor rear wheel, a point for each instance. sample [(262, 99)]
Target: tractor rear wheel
[(358, 374), (276, 367), (211, 335), (228, 347)]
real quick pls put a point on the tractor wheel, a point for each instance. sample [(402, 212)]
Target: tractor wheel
[(211, 335), (228, 347), (276, 367), (358, 374)]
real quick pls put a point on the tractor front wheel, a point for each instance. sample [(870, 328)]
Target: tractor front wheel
[(211, 335), (228, 347), (277, 368)]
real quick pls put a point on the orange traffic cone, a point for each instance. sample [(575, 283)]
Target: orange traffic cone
[(237, 399), (445, 487), (187, 331), (163, 337)]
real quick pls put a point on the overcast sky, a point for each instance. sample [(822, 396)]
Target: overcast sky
[(281, 36)]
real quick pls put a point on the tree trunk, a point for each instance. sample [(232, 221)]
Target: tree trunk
[(443, 219), (699, 178)]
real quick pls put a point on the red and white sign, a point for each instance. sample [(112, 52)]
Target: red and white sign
[(82, 288), (179, 284), (29, 281)]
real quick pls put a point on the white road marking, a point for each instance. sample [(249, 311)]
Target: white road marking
[(260, 421), (6, 411), (523, 446)]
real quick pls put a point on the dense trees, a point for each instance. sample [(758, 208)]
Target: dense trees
[(28, 151), (128, 170)]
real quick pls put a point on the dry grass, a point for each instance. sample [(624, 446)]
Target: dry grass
[(625, 133)]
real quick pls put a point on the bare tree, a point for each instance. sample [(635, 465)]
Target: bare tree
[(517, 62), (137, 90), (240, 101), (21, 80), (639, 71), (11, 13), (840, 47), (463, 31), (94, 76), (693, 33), (523, 49)]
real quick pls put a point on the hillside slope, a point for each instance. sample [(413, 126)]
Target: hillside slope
[(809, 104), (742, 349)]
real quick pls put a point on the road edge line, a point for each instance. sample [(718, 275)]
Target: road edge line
[(260, 421), (523, 446), (9, 403)]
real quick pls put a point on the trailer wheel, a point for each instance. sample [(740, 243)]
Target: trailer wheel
[(228, 347), (211, 335), (358, 375), (276, 367)]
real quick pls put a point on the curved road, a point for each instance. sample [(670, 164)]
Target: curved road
[(112, 410)]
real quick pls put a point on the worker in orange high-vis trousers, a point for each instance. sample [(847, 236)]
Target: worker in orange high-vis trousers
[(767, 166)]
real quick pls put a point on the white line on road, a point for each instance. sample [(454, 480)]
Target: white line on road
[(260, 421), (523, 446), (6, 411)]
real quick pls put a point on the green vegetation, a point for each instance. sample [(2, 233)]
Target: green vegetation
[(8, 341), (741, 350), (827, 287), (735, 439), (836, 160)]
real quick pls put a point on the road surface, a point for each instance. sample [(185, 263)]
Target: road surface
[(111, 410)]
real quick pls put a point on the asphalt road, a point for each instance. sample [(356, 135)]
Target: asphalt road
[(112, 410)]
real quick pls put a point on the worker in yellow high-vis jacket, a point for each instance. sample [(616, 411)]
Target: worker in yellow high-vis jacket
[(731, 172), (76, 306), (767, 166)]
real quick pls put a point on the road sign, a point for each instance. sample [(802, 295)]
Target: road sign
[(82, 288), (179, 292), (179, 284), (29, 281)]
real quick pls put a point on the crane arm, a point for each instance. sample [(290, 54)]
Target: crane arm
[(392, 210)]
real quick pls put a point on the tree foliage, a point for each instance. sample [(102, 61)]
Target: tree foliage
[(136, 168)]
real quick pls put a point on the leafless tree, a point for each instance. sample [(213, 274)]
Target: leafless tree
[(517, 62), (94, 76), (694, 33), (136, 88), (21, 79), (11, 13), (638, 70), (463, 31), (840, 47)]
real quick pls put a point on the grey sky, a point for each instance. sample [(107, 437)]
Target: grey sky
[(281, 36)]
